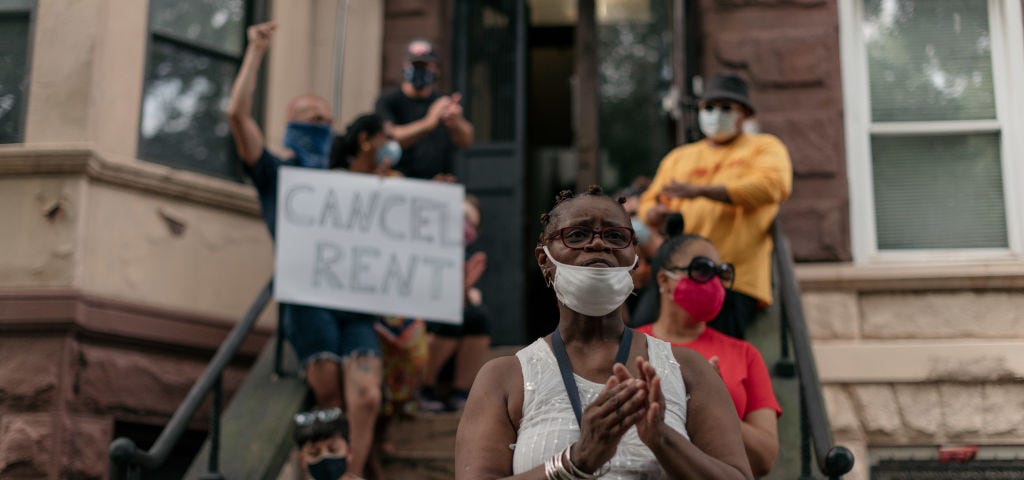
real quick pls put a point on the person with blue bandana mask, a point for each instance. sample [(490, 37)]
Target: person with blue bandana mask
[(339, 351), (429, 126)]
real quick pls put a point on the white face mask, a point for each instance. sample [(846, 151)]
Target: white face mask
[(718, 125), (592, 291)]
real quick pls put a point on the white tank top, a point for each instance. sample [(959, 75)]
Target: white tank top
[(549, 425)]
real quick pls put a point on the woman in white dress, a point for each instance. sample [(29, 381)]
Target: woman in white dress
[(593, 400)]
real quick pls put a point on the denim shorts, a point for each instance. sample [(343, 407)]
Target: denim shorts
[(317, 333)]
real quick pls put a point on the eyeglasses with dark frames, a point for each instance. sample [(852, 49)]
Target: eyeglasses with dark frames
[(579, 237), (703, 269)]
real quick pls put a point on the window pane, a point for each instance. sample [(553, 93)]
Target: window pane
[(183, 111), (217, 23), (491, 69), (16, 5), (938, 192), (13, 47), (634, 73), (929, 60)]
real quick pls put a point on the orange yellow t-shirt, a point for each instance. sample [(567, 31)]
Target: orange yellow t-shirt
[(757, 174)]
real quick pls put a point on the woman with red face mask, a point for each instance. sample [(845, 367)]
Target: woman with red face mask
[(692, 280)]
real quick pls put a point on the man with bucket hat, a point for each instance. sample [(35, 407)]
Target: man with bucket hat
[(728, 187)]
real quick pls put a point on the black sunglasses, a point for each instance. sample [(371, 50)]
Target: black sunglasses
[(702, 270), (579, 237)]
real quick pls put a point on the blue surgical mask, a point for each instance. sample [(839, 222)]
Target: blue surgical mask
[(329, 467), (643, 233), (419, 77), (311, 143), (391, 152)]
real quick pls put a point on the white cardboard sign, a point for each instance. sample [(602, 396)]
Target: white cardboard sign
[(363, 243)]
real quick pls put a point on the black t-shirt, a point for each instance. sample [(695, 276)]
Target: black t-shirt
[(432, 154)]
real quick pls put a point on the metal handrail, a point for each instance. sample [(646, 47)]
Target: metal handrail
[(128, 458), (833, 460)]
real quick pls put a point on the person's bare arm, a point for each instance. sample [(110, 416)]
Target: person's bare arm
[(486, 430), (689, 190), (244, 129), (715, 448), (413, 132), (461, 130), (651, 210), (761, 439)]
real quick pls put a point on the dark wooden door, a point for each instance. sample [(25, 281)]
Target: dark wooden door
[(489, 70)]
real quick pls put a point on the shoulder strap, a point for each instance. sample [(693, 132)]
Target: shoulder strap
[(565, 367)]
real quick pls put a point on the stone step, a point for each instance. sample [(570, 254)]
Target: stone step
[(427, 433), (424, 447), (411, 465)]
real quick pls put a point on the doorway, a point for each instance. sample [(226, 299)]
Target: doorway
[(515, 62)]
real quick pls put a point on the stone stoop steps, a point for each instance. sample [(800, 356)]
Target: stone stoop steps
[(425, 444), (425, 447)]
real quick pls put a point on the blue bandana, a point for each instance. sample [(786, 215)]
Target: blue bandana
[(311, 143), (420, 78)]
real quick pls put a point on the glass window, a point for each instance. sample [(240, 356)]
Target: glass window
[(634, 74), (938, 192), (183, 111), (195, 49), (935, 137), (219, 24), (15, 28), (929, 60)]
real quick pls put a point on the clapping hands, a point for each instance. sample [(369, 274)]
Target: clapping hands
[(650, 426), (617, 408), (446, 110), (626, 401), (651, 416)]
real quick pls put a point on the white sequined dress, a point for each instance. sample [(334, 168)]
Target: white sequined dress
[(549, 425)]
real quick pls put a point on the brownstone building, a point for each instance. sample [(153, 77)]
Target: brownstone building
[(131, 242)]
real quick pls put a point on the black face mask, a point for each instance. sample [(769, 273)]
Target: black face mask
[(328, 468), (419, 77)]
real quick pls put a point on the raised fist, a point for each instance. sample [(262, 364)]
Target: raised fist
[(261, 34)]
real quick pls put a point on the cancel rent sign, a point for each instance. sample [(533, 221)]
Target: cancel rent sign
[(366, 244)]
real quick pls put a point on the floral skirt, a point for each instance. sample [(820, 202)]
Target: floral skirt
[(404, 346)]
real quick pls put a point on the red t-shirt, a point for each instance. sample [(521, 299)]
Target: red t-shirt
[(742, 368)]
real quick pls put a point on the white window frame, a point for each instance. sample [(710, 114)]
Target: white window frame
[(1005, 25)]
